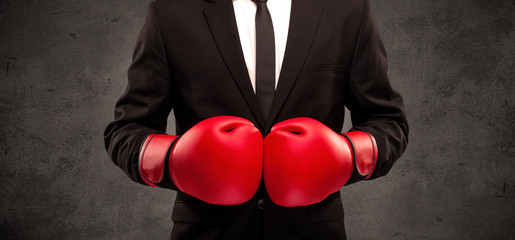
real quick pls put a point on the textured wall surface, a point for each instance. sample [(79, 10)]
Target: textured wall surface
[(63, 64)]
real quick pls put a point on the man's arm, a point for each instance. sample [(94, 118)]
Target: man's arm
[(144, 107), (375, 107)]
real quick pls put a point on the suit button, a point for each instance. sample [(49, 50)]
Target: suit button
[(260, 204)]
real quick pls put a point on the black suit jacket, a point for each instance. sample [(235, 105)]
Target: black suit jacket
[(188, 59)]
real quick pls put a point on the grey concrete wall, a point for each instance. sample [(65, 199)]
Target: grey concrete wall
[(63, 65)]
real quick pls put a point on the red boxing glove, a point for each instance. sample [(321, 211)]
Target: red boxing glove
[(219, 160), (305, 161)]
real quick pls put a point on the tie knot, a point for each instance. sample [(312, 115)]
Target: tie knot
[(259, 1)]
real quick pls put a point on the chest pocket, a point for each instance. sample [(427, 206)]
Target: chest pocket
[(324, 69)]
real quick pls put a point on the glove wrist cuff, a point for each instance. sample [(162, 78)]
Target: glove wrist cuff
[(364, 152), (153, 159)]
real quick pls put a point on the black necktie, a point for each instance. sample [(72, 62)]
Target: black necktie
[(265, 57)]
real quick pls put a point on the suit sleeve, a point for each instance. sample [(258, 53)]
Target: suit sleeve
[(375, 107), (144, 107)]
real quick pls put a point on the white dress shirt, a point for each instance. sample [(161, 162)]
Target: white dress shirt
[(245, 12)]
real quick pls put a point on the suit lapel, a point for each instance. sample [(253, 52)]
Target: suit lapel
[(222, 23), (304, 19)]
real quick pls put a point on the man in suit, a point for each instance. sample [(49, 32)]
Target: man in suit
[(201, 59)]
